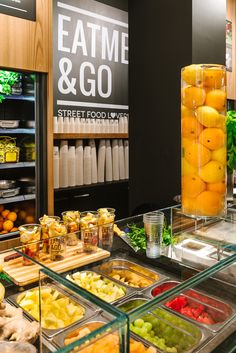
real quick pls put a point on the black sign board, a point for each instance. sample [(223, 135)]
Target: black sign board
[(90, 59), (19, 8)]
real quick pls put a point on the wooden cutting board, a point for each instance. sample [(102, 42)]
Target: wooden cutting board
[(23, 275)]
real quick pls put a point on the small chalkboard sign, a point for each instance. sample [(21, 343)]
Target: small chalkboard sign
[(19, 8)]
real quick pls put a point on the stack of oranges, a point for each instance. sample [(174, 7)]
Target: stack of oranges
[(203, 140), (7, 219)]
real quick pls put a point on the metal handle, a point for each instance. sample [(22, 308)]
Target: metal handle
[(83, 195)]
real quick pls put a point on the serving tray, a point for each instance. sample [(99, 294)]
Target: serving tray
[(23, 275)]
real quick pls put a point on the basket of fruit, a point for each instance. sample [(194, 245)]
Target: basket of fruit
[(9, 152)]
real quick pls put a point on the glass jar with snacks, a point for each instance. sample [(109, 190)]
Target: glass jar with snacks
[(203, 140), (30, 235), (71, 220), (57, 240), (9, 152), (106, 218), (45, 222), (89, 230)]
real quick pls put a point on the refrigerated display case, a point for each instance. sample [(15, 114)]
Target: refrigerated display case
[(195, 304), (22, 124)]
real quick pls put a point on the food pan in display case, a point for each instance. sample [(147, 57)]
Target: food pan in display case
[(129, 304), (168, 332), (59, 308), (106, 343), (100, 285), (130, 273), (207, 310), (110, 322)]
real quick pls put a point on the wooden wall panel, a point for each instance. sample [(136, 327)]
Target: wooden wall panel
[(23, 43), (231, 76)]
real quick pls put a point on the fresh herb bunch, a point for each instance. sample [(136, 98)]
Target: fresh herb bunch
[(7, 80), (166, 235), (231, 140), (138, 238)]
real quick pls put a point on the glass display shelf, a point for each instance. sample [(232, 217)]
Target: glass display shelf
[(17, 165), (5, 200), (17, 131), (20, 97)]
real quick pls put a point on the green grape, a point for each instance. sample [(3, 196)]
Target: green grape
[(138, 323), (152, 333), (148, 326)]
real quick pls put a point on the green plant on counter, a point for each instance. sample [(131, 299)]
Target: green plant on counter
[(231, 140), (7, 80)]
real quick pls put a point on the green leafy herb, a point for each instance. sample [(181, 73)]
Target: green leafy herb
[(166, 235), (231, 140), (7, 80), (137, 236)]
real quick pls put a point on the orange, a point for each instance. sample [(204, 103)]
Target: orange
[(219, 155), (192, 74), (187, 168), (3, 232), (22, 214), (217, 187), (8, 225), (186, 112), (197, 154), (185, 142), (212, 172), (209, 203), (189, 205), (5, 213), (212, 138), (1, 208), (16, 209), (192, 185), (193, 97), (12, 216), (208, 116), (214, 77), (14, 229), (222, 123), (190, 128), (216, 99), (1, 225), (29, 219)]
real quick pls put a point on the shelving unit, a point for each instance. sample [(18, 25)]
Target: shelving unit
[(70, 136), (20, 108)]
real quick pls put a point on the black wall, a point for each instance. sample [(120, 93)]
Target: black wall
[(209, 17), (165, 35)]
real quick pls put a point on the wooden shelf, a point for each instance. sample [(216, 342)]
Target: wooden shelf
[(72, 136)]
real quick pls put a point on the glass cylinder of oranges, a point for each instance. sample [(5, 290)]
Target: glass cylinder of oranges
[(203, 140)]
